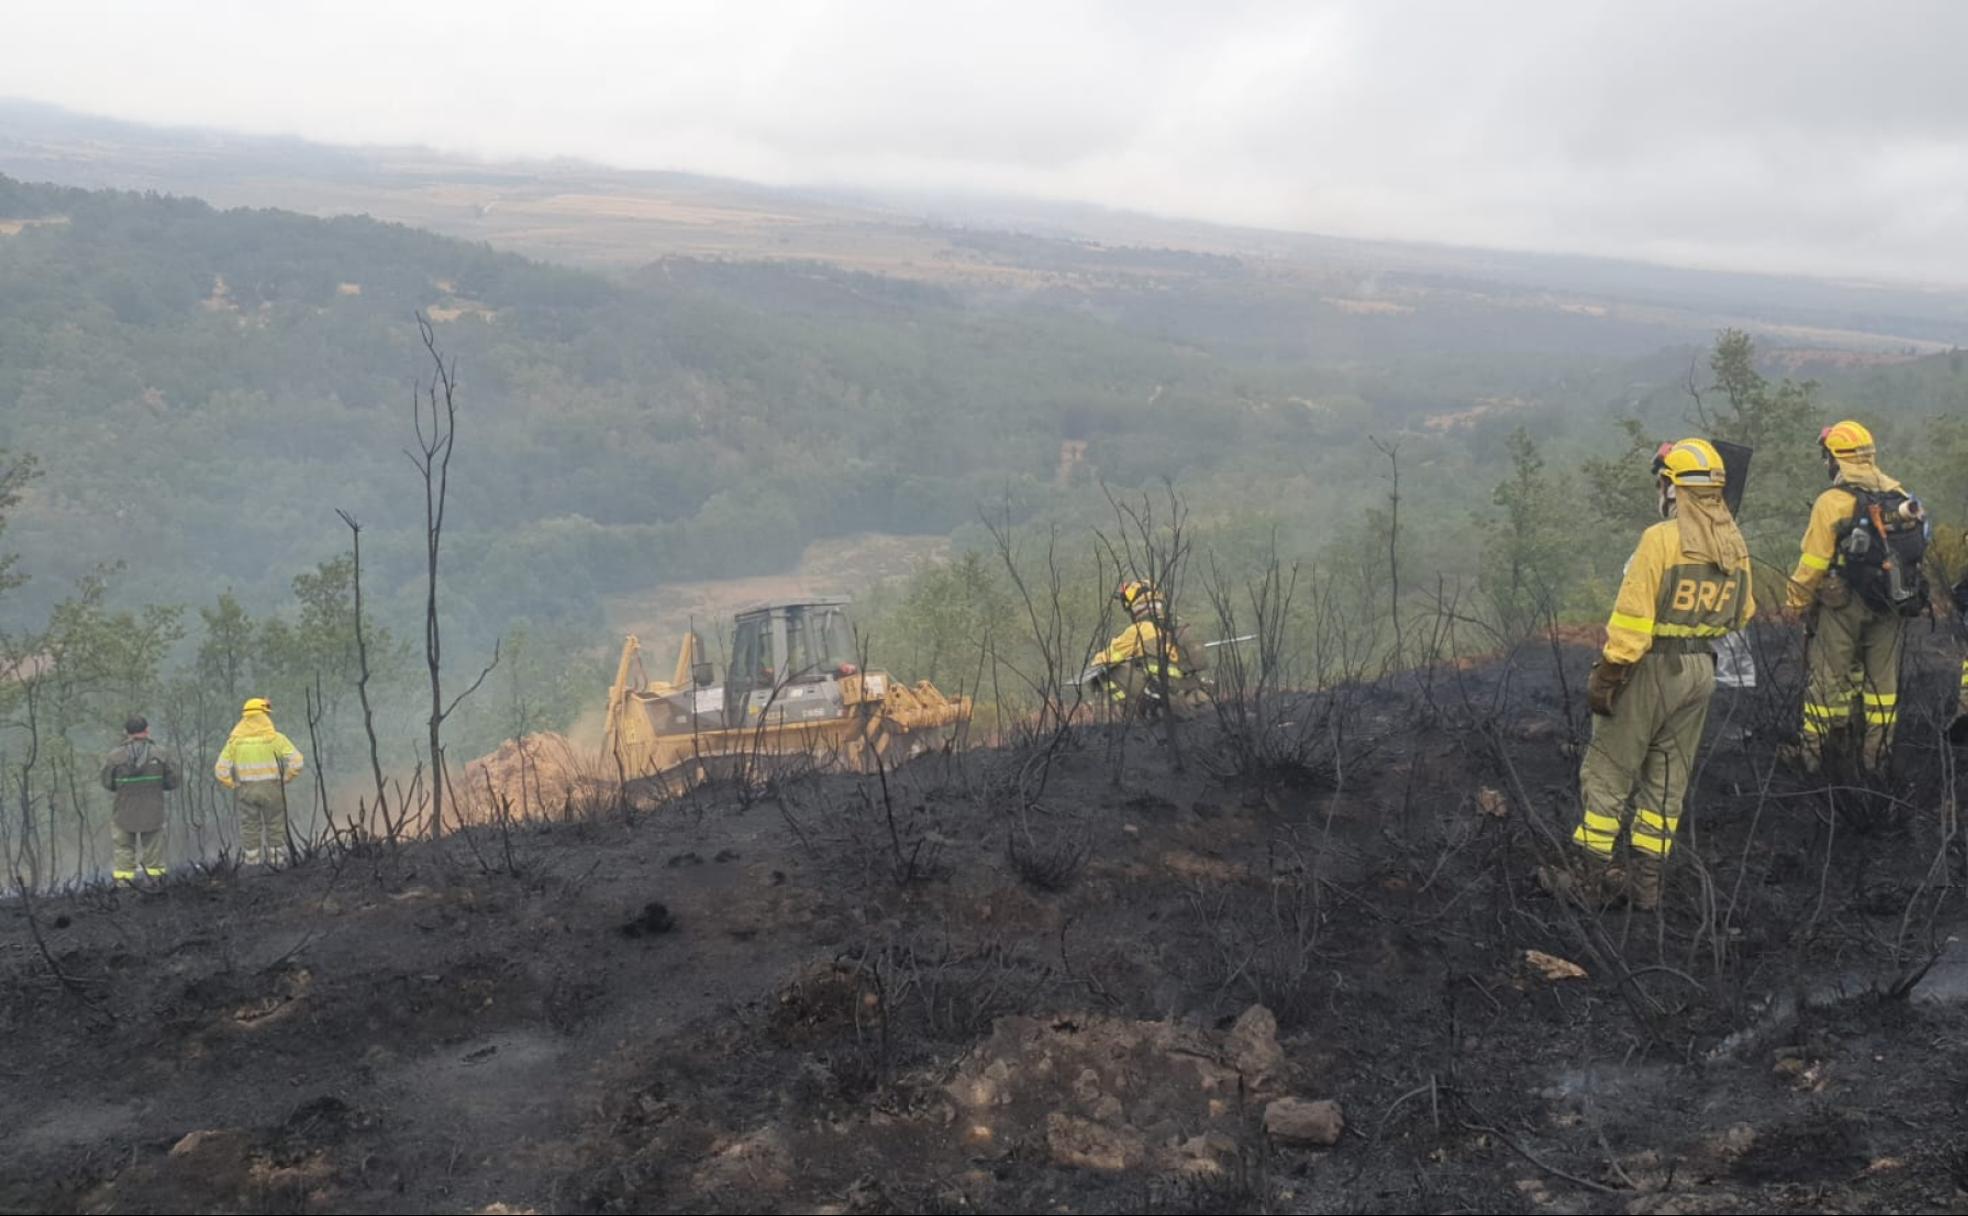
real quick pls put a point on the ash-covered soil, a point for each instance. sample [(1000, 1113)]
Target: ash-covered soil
[(1069, 978)]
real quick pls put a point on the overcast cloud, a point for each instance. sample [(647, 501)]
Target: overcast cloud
[(1789, 135)]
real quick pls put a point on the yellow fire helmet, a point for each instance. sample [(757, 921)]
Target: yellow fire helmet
[(1691, 462), (1846, 440), (1136, 590), (256, 705)]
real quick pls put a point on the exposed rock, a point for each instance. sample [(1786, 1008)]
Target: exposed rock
[(1087, 1087), (1254, 1049), (1553, 968), (1206, 1154), (1532, 729), (1296, 1121), (210, 1142), (1732, 1141), (1093, 1146)]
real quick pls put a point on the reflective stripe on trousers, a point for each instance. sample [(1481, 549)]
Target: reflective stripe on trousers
[(1653, 832), (1597, 833), (1823, 717)]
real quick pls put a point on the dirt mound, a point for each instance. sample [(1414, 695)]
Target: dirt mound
[(538, 776), (1109, 1093)]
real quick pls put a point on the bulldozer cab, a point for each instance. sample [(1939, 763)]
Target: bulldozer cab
[(787, 660)]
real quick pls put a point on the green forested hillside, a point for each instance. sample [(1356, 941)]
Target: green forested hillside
[(203, 387)]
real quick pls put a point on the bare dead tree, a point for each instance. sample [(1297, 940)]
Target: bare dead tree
[(25, 885), (1393, 453), (1059, 643), (315, 712), (390, 825), (434, 412)]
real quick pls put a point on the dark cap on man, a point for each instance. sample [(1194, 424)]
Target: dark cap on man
[(135, 725)]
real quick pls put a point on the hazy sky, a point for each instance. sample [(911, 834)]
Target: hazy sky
[(1766, 134)]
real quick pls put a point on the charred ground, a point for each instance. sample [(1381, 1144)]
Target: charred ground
[(1024, 980)]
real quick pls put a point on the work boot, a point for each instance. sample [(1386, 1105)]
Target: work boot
[(1644, 881), (1587, 881), (277, 859), (249, 857)]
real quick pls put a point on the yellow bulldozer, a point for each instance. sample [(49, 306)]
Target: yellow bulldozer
[(793, 695)]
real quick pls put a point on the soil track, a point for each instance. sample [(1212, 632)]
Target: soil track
[(1123, 989)]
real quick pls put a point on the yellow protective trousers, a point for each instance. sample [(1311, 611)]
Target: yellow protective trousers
[(262, 821), (1853, 665), (1642, 755), (134, 849)]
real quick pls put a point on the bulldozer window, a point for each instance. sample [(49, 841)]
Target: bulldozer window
[(751, 659), (819, 641)]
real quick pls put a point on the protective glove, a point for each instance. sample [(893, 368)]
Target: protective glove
[(1604, 685)]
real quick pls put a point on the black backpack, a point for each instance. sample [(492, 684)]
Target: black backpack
[(1880, 548)]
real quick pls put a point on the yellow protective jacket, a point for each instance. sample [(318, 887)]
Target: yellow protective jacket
[(1820, 547), (257, 752), (1666, 593), (1141, 640)]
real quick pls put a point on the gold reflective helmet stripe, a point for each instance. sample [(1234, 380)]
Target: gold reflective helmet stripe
[(1691, 462), (1846, 439)]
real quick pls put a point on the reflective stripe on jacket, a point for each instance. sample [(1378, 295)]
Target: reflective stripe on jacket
[(1666, 594), (257, 759), (1141, 640), (139, 775), (1820, 546)]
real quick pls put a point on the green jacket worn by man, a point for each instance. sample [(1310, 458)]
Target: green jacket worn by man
[(139, 775), (257, 763), (1686, 585)]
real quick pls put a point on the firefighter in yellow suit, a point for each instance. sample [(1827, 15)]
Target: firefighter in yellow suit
[(1853, 652), (1687, 584), (1136, 661), (257, 763)]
